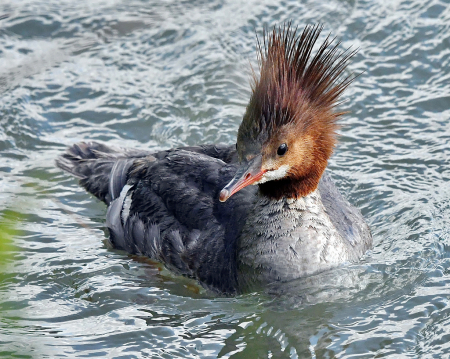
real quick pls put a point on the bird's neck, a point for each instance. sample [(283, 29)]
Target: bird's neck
[(290, 187)]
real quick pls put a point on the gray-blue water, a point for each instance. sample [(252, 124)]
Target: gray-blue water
[(159, 74)]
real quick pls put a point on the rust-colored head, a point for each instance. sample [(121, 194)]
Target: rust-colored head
[(288, 132)]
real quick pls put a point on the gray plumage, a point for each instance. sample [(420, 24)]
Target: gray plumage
[(168, 209), (195, 208)]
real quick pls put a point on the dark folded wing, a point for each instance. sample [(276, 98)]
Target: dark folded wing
[(169, 210)]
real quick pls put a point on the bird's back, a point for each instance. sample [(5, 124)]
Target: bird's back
[(165, 205)]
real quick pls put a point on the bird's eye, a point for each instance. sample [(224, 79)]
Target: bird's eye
[(282, 149)]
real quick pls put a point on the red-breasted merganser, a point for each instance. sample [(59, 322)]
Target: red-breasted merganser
[(193, 208)]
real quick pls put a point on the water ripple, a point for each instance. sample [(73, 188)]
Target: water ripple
[(162, 74)]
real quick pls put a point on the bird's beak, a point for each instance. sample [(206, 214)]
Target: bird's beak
[(249, 173)]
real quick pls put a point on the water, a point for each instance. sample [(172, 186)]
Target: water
[(163, 74)]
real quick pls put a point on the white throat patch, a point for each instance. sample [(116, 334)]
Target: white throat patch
[(274, 175)]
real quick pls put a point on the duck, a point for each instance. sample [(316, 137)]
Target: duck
[(238, 217)]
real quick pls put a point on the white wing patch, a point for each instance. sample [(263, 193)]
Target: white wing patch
[(126, 204)]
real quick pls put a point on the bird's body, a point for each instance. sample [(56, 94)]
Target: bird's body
[(292, 223)]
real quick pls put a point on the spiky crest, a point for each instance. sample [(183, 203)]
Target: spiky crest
[(292, 79)]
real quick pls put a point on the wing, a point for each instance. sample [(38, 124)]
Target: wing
[(346, 218), (103, 170), (226, 153), (169, 211)]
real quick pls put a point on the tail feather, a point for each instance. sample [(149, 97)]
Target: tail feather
[(102, 170)]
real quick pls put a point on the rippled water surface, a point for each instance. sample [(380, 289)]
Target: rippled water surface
[(158, 74)]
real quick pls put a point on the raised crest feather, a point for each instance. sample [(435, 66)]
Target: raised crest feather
[(293, 77)]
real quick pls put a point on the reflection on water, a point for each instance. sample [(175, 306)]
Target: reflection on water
[(157, 75)]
